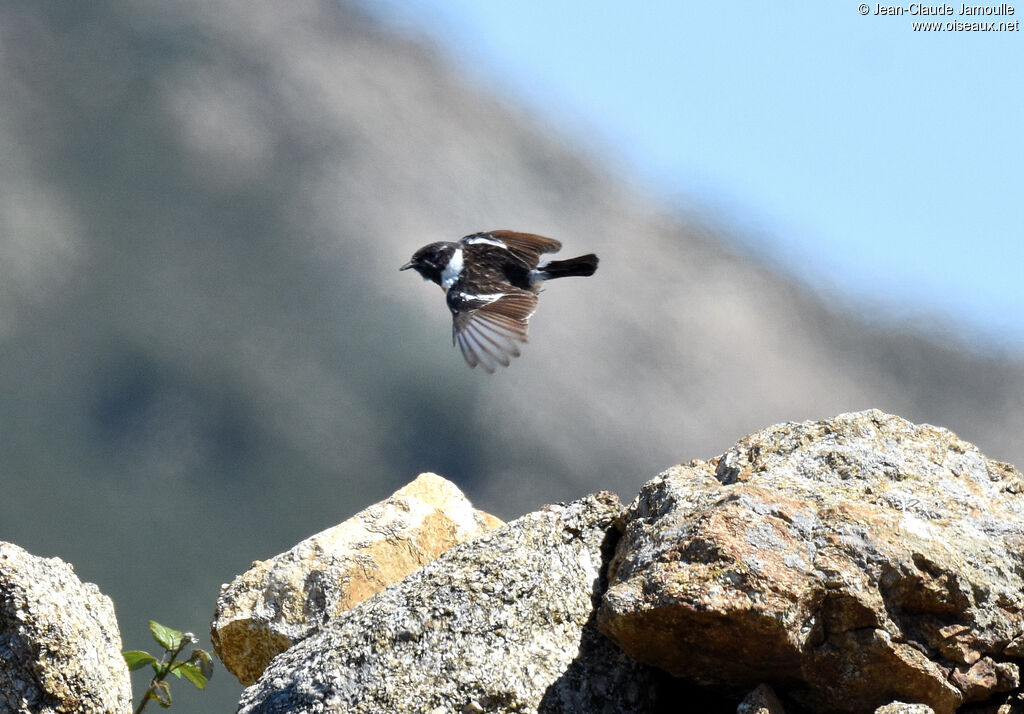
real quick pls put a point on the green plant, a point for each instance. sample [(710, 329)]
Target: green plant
[(198, 668)]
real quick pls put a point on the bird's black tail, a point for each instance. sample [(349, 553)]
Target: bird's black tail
[(573, 267)]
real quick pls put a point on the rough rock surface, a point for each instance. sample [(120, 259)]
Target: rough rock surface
[(501, 624), (849, 563), (60, 648), (904, 708), (760, 700), (281, 601)]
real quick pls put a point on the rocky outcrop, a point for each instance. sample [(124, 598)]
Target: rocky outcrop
[(60, 648), (501, 624), (283, 600), (857, 564), (849, 562)]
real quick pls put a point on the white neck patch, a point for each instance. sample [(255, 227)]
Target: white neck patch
[(451, 271)]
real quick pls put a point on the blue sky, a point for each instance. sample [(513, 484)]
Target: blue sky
[(875, 161)]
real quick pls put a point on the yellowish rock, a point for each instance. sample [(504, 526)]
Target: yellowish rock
[(281, 601)]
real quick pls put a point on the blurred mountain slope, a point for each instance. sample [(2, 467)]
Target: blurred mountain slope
[(209, 352)]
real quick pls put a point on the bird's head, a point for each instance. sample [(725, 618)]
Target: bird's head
[(430, 260)]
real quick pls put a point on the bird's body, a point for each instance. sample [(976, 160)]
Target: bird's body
[(491, 281)]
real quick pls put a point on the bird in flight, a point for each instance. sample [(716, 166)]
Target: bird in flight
[(491, 281)]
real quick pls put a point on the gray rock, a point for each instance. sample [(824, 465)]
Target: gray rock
[(60, 648), (848, 562), (904, 708), (504, 623), (761, 700), (282, 600)]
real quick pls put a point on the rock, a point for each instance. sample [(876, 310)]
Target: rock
[(904, 708), (504, 623), (761, 700), (1015, 648), (60, 648), (848, 563), (1010, 704), (984, 677), (281, 601)]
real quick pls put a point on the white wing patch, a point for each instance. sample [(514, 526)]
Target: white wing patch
[(482, 240), (481, 297)]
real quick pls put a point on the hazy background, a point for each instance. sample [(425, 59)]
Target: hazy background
[(876, 162), (209, 353)]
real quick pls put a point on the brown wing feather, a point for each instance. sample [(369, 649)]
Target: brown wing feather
[(528, 246), (489, 335), (517, 306)]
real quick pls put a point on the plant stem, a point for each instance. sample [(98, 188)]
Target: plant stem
[(159, 677)]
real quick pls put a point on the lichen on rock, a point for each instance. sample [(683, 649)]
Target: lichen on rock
[(60, 648), (851, 562), (501, 624), (282, 600)]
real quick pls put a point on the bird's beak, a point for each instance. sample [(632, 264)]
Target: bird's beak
[(407, 266)]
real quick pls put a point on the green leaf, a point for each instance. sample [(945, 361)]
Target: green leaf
[(192, 674), (167, 637), (137, 659), (202, 660)]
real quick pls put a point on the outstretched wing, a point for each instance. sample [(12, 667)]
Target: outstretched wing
[(488, 328), (528, 247)]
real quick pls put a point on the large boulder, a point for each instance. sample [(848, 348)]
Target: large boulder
[(60, 648), (283, 600), (848, 563), (504, 623)]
